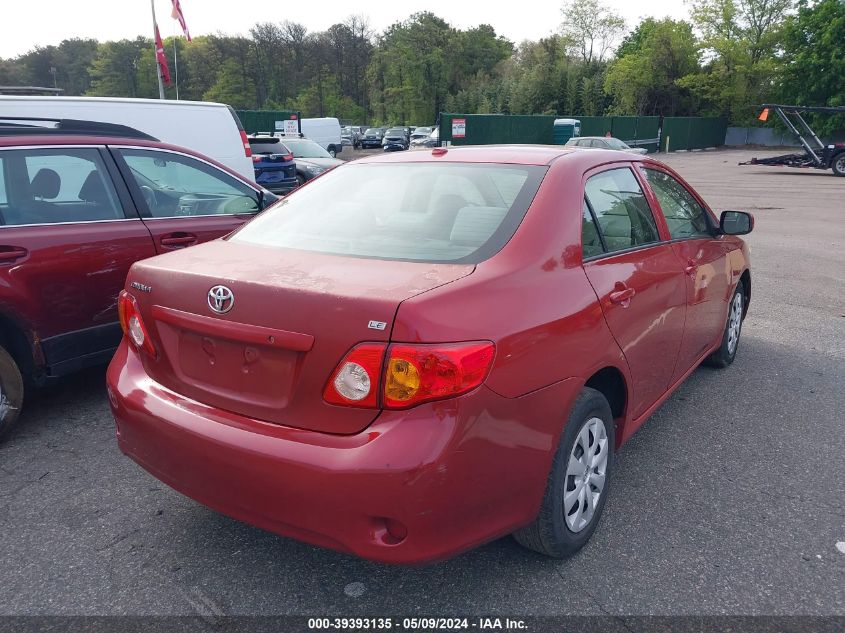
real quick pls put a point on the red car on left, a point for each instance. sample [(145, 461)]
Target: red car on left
[(80, 202)]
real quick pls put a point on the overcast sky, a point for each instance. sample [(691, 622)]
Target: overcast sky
[(27, 23)]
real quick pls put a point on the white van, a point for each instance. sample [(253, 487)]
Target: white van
[(325, 132), (212, 129)]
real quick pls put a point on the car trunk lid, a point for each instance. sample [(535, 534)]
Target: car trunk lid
[(293, 316)]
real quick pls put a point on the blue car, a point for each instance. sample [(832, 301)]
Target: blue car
[(275, 168)]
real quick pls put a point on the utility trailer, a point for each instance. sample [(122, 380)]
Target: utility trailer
[(816, 154)]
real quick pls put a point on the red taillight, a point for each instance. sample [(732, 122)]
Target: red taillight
[(132, 323), (247, 148), (419, 373), (356, 380), (411, 374), (256, 159)]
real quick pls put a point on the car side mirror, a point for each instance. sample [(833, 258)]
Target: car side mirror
[(736, 223)]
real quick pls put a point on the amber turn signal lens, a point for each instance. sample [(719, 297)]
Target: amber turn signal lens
[(403, 380)]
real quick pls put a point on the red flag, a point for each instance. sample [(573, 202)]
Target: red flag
[(162, 60), (176, 14)]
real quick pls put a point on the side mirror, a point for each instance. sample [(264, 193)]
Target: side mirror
[(736, 223)]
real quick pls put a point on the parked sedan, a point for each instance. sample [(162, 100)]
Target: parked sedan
[(407, 376), (372, 138), (311, 159), (604, 142), (395, 139)]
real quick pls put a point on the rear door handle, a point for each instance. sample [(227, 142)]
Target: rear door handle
[(691, 268), (11, 253), (622, 294), (178, 240)]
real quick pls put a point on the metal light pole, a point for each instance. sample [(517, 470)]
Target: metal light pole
[(155, 52)]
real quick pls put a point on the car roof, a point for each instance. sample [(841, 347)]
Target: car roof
[(507, 154)]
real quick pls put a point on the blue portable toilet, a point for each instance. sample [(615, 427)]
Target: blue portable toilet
[(566, 129)]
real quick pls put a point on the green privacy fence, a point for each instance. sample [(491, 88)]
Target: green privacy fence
[(487, 129), (265, 120), (652, 132), (692, 133)]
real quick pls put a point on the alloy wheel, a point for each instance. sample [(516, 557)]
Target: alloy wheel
[(734, 322)]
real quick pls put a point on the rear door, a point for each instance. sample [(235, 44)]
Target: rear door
[(637, 277), (703, 254), (69, 234), (184, 201)]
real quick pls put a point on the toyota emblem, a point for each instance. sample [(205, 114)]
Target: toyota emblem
[(220, 299)]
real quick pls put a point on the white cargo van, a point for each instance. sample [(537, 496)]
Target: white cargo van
[(212, 129), (324, 131)]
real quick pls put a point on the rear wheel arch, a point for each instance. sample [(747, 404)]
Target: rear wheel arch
[(19, 345), (611, 383)]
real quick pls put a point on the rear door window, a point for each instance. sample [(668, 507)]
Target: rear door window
[(173, 185), (685, 217), (621, 210), (49, 186), (449, 212)]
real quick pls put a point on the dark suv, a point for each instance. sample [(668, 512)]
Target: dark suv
[(79, 204), (273, 162)]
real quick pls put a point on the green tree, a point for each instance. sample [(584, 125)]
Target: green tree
[(232, 87), (644, 77), (814, 59), (115, 69), (590, 29)]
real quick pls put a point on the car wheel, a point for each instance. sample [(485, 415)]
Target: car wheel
[(726, 353), (838, 164), (332, 151), (11, 392), (578, 483), (300, 180)]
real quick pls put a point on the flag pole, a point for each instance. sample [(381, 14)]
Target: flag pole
[(155, 52), (176, 64)]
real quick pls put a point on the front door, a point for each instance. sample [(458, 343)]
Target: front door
[(638, 280), (183, 200), (703, 255), (66, 245)]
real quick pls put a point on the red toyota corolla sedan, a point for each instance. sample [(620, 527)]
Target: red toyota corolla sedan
[(416, 354)]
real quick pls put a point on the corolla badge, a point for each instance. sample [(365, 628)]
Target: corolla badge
[(220, 299)]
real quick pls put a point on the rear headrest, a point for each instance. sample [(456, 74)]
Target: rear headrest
[(46, 184), (474, 225)]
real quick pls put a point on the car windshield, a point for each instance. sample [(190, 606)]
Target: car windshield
[(422, 131), (373, 130), (396, 131), (615, 143), (303, 148), (451, 212)]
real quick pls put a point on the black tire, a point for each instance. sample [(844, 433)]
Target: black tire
[(726, 353), (837, 163), (300, 180), (550, 533), (332, 151), (11, 392)]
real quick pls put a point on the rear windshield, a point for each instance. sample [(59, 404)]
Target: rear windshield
[(267, 146), (426, 212)]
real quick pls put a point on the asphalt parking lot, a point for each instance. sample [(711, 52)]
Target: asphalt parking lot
[(728, 501)]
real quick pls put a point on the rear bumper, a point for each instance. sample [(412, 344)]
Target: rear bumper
[(274, 185), (415, 486)]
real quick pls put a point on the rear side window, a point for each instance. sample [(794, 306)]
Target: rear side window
[(49, 186), (591, 245), (684, 216), (427, 212), (621, 210)]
